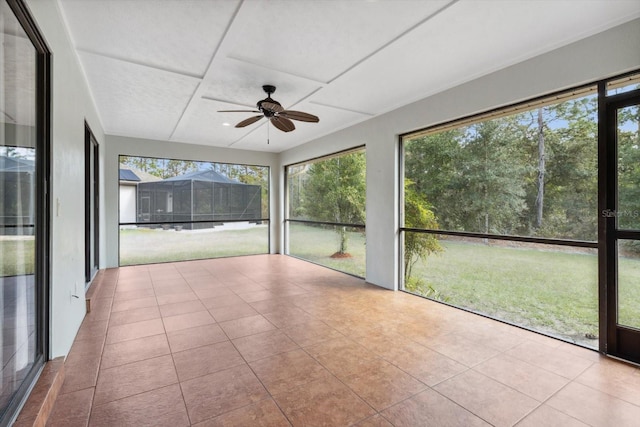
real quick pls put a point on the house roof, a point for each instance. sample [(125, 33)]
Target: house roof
[(206, 175), (129, 174), (15, 164)]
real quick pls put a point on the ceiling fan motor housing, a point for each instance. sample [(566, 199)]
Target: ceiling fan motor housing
[(269, 89)]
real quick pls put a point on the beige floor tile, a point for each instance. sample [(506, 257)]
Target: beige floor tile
[(135, 350), (431, 409), (184, 339), (493, 402), (324, 402), (264, 344), (594, 407), (208, 359), (550, 358), (427, 365), (134, 378), (134, 303), (160, 407), (183, 307), (246, 326), (284, 371), (187, 320), (376, 421), (132, 331), (72, 409), (548, 417), (381, 384), (614, 378), (232, 312), (221, 392), (264, 413), (134, 315), (462, 350), (222, 301), (528, 379), (305, 334)]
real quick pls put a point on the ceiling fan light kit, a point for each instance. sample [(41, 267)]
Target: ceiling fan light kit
[(273, 111)]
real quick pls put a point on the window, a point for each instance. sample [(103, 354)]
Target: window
[(326, 211), (183, 210), (501, 215)]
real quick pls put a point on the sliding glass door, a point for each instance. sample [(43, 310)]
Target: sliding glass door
[(23, 207), (621, 218)]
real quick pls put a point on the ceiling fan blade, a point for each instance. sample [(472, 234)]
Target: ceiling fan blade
[(250, 120), (271, 106), (285, 125), (299, 115), (239, 111)]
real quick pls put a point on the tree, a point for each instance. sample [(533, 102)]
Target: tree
[(539, 205), (162, 168), (629, 169), (417, 214), (335, 191), (434, 164), (493, 182)]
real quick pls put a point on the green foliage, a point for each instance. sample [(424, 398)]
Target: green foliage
[(484, 177), (417, 214), (335, 191), (629, 168), (162, 168), (418, 286)]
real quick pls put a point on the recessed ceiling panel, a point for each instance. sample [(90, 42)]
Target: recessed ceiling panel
[(320, 39), (204, 125), (137, 101), (241, 83), (466, 41), (177, 35)]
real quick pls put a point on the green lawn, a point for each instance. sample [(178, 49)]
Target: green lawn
[(549, 291), (318, 244), (17, 255), (148, 246)]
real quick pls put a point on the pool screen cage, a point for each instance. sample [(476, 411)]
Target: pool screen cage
[(197, 200)]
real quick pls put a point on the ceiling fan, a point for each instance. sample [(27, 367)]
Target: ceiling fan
[(274, 112)]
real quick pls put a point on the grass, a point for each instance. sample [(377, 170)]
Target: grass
[(149, 246), (17, 255), (318, 244), (554, 292)]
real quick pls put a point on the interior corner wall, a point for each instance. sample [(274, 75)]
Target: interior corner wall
[(71, 105), (603, 55), (120, 145)]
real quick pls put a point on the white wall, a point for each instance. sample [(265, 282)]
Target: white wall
[(71, 106), (127, 200), (603, 55), (118, 145)]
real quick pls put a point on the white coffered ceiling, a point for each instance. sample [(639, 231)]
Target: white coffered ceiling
[(161, 69)]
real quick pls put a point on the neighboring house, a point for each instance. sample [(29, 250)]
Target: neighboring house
[(128, 191), (198, 196), (16, 196)]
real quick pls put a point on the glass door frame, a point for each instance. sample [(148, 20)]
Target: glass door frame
[(92, 205), (615, 339), (42, 202)]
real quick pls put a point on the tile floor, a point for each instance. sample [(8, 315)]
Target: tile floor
[(275, 341)]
